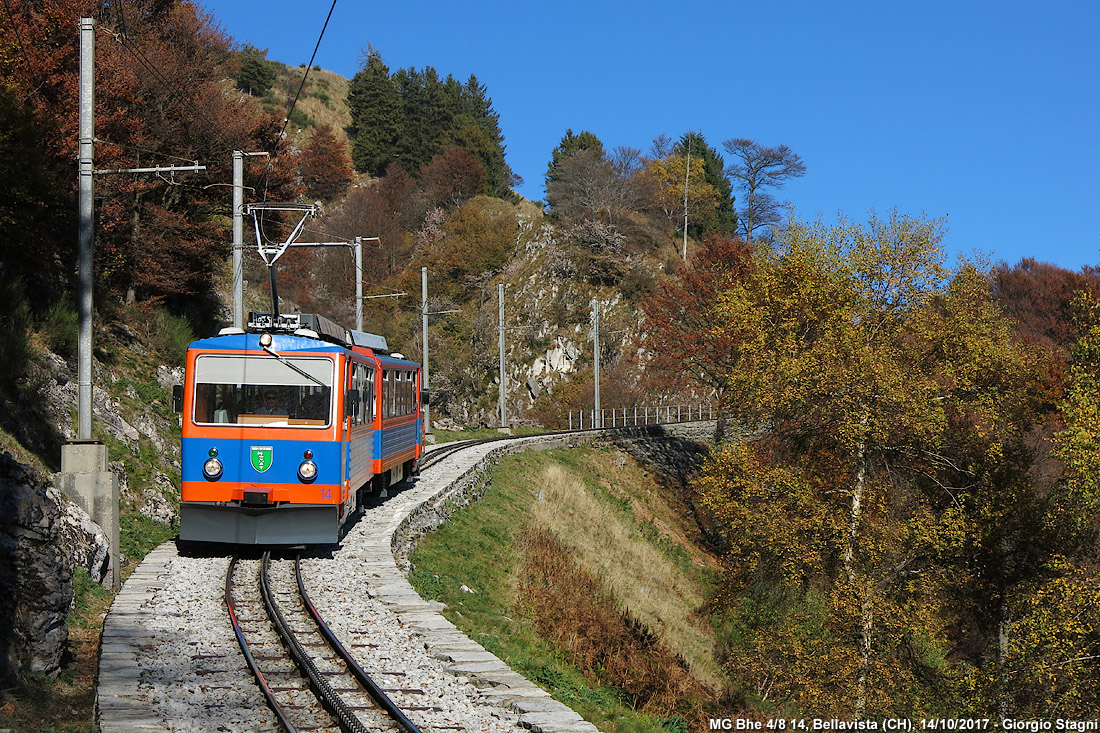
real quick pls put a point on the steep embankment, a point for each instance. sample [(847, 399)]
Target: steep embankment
[(586, 572)]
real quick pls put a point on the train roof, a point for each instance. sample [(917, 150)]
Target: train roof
[(395, 360), (302, 332), (251, 342)]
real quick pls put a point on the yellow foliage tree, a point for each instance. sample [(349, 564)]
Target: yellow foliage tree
[(1049, 661), (702, 198), (873, 386)]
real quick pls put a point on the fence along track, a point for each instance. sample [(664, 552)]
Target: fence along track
[(325, 708), (444, 450)]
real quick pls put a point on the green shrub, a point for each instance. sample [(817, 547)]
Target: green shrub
[(85, 592), (172, 335), (60, 327), (139, 535), (298, 118), (14, 322)]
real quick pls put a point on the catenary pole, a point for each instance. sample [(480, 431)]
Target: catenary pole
[(687, 178), (86, 231), (596, 360), (358, 283), (238, 239), (424, 373), (238, 235), (503, 376)]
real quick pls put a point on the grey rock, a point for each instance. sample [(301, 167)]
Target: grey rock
[(82, 541), (36, 588)]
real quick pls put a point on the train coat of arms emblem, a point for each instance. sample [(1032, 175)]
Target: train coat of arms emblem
[(262, 456)]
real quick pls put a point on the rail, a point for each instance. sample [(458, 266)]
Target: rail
[(289, 633)]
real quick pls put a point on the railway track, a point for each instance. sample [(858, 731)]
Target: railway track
[(310, 681), (437, 455)]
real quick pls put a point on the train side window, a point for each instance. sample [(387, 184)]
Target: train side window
[(353, 385), (364, 393), (362, 382), (368, 395)]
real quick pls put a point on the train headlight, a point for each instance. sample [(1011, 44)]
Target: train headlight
[(307, 471), (212, 469)]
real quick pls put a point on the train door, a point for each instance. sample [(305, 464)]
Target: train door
[(348, 419)]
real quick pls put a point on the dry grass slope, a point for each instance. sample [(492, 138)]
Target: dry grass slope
[(572, 607), (603, 541)]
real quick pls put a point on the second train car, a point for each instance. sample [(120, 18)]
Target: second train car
[(287, 425)]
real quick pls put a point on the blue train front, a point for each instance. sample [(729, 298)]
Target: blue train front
[(288, 425)]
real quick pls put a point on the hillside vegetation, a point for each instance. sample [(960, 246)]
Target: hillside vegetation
[(582, 570)]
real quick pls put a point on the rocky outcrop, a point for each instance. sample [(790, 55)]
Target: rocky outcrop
[(82, 541), (36, 588), (152, 501)]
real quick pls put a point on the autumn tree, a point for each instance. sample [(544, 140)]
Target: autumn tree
[(323, 165), (159, 100), (679, 318), (879, 396), (475, 241), (388, 210), (1049, 641), (581, 186), (1039, 296), (703, 200), (452, 178), (757, 168)]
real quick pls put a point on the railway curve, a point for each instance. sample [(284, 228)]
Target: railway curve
[(170, 662)]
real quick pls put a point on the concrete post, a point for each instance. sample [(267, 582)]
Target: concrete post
[(596, 361), (86, 480)]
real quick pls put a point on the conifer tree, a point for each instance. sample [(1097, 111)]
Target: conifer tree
[(483, 139), (569, 145), (377, 118), (425, 104), (257, 74), (413, 115)]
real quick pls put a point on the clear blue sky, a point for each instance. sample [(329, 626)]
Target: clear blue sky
[(987, 112)]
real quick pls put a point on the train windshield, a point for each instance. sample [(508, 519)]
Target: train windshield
[(262, 390)]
